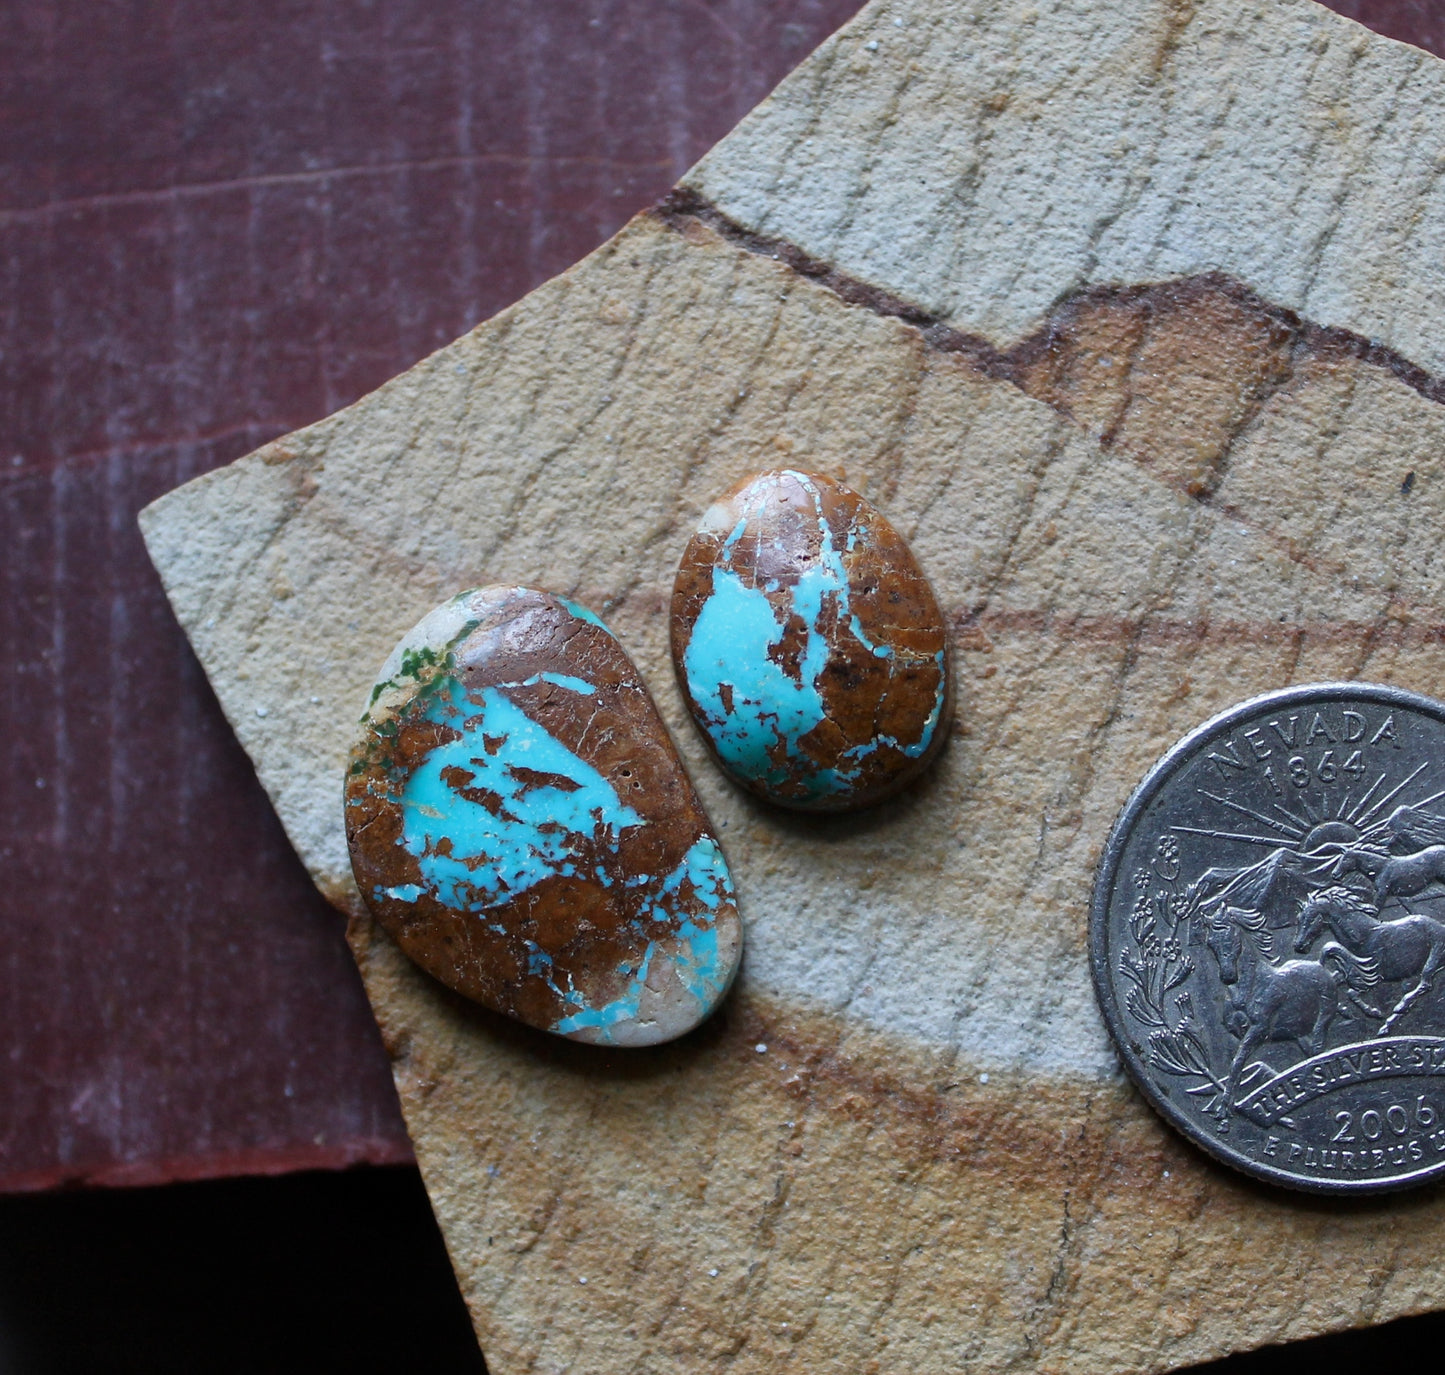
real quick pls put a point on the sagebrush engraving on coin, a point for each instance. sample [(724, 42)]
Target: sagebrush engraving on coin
[(1268, 936)]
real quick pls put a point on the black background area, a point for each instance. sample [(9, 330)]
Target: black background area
[(330, 1271), (315, 1272)]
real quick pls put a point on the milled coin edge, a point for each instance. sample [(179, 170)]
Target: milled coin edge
[(1106, 872)]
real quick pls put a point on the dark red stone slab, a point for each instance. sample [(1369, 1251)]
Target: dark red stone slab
[(1421, 22), (218, 222)]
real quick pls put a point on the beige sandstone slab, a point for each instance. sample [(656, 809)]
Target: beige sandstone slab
[(1082, 296)]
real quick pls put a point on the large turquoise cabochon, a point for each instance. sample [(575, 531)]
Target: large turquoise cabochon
[(520, 822)]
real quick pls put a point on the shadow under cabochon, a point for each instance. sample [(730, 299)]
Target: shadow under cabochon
[(519, 821), (809, 646)]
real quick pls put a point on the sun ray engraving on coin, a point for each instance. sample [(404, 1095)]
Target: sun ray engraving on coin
[(1268, 937)]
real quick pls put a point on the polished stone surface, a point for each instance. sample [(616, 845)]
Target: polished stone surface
[(809, 645), (519, 821)]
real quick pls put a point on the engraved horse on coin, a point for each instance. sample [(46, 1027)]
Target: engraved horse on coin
[(1400, 875), (1269, 1001), (1398, 948)]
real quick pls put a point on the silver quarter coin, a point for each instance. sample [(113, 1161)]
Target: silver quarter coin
[(1268, 937)]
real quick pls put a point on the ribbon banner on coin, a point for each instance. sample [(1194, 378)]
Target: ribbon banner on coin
[(1268, 937)]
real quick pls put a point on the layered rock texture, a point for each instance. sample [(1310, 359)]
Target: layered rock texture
[(1128, 313)]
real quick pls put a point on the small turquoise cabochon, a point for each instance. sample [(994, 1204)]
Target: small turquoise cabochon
[(808, 644), (520, 823)]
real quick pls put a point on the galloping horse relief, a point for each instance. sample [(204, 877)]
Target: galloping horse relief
[(1269, 1001), (1409, 947), (1400, 875)]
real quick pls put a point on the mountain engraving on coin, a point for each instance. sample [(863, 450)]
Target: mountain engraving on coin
[(1268, 937)]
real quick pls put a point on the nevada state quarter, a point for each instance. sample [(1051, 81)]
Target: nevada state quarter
[(1268, 937)]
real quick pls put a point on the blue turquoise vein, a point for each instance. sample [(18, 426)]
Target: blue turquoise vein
[(730, 647), (538, 830)]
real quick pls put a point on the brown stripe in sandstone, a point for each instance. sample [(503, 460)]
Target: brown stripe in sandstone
[(682, 205), (1034, 1130), (1170, 373), (974, 630), (1021, 363)]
